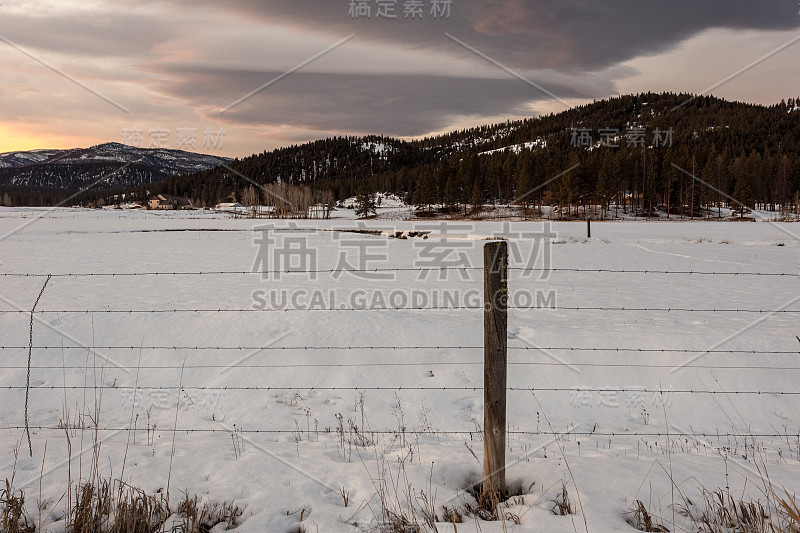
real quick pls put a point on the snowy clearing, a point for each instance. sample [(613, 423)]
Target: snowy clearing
[(282, 429)]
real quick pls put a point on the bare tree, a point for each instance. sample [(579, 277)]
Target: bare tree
[(251, 198), (294, 201)]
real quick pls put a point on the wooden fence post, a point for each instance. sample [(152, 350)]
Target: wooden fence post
[(588, 228), (495, 330)]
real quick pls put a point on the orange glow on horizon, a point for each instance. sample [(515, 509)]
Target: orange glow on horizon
[(14, 139)]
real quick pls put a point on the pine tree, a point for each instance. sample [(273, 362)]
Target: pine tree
[(524, 179), (477, 197), (425, 194), (605, 181), (452, 191), (509, 165), (470, 171), (568, 192), (743, 194), (707, 194), (443, 174), (365, 203)]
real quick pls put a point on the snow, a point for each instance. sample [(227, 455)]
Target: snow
[(389, 203), (278, 474), (14, 159), (378, 148), (517, 148)]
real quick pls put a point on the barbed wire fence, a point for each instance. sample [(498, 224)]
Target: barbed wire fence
[(636, 353)]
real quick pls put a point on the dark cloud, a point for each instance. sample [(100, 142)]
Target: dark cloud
[(395, 104), (561, 34), (177, 58), (121, 33)]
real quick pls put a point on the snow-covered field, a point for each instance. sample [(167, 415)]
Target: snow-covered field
[(262, 427)]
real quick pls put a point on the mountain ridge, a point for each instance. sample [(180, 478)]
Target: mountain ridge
[(103, 166)]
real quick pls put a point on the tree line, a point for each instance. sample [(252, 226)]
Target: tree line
[(747, 151)]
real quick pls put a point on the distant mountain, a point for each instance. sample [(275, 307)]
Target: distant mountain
[(103, 167), (22, 159)]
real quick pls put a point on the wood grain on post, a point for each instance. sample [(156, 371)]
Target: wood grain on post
[(495, 327)]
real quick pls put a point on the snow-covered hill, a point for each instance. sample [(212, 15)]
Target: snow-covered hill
[(78, 167), (21, 159)]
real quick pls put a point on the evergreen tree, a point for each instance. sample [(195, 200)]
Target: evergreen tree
[(568, 192), (365, 203), (605, 180), (707, 194), (743, 194), (524, 180), (477, 197), (425, 195), (452, 191)]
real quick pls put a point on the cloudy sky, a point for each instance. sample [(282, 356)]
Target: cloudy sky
[(234, 77)]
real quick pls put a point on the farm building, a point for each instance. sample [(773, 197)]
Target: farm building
[(168, 202)]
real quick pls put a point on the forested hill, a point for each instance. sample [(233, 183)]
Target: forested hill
[(635, 143), (47, 176)]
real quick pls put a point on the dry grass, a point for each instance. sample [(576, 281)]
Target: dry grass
[(640, 518), (13, 517), (100, 509), (96, 504), (402, 508), (722, 513), (452, 515), (396, 495), (97, 509), (92, 508), (488, 504), (489, 509), (790, 513), (200, 518), (561, 504), (137, 512)]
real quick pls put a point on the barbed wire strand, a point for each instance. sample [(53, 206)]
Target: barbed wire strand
[(705, 435), (396, 388), (412, 348), (396, 269), (431, 308), (417, 364)]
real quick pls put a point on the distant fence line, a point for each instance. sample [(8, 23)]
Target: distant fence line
[(398, 389), (399, 308), (401, 269), (416, 364), (432, 432), (411, 348)]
